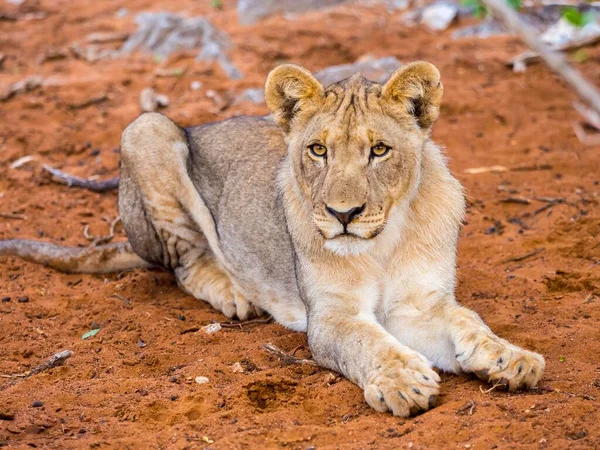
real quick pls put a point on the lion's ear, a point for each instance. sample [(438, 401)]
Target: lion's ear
[(289, 88), (417, 87)]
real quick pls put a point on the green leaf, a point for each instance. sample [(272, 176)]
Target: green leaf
[(562, 359), (90, 333), (577, 18), (516, 4), (580, 56), (218, 4)]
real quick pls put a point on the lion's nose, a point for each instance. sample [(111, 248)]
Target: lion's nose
[(345, 217)]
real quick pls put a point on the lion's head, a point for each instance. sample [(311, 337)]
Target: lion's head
[(355, 147)]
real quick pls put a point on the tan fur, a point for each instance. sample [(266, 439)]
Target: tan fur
[(355, 247)]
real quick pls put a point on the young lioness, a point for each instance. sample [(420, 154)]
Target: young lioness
[(337, 215)]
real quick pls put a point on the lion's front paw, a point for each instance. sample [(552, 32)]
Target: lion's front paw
[(499, 362), (405, 384)]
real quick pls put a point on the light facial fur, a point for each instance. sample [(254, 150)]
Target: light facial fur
[(337, 215)]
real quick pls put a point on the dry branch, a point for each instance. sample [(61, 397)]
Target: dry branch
[(556, 61), (257, 321), (286, 358), (71, 180), (55, 360), (524, 257)]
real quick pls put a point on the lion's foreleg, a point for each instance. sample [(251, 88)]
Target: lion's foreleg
[(456, 339), (343, 335)]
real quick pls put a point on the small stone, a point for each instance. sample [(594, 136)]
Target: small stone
[(196, 85), (37, 404), (174, 397), (202, 380), (173, 379), (6, 299), (212, 328), (438, 16), (150, 101), (237, 368), (23, 299), (141, 344)]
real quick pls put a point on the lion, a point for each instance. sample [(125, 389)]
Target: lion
[(336, 214)]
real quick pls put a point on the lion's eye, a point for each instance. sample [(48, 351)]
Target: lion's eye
[(380, 150), (318, 150)]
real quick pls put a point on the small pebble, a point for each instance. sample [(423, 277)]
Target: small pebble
[(212, 328), (5, 299), (202, 380), (181, 317), (37, 404), (174, 397), (195, 85), (23, 299), (173, 379)]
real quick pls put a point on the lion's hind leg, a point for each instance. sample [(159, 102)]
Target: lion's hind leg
[(200, 275)]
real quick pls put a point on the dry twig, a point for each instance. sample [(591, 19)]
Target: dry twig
[(525, 256), (13, 216), (256, 321), (467, 409), (517, 200), (286, 358), (101, 240), (56, 360), (92, 185)]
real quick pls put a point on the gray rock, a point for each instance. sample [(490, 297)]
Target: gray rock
[(483, 30), (164, 33), (253, 11), (254, 95), (436, 16), (378, 70)]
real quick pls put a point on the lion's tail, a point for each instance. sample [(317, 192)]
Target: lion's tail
[(102, 259)]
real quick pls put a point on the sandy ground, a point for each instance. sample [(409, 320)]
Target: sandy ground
[(132, 385)]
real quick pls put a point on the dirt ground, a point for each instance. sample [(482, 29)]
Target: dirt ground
[(132, 385)]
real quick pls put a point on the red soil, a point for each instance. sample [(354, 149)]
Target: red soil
[(115, 392)]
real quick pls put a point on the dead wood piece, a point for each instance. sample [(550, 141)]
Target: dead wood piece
[(531, 168), (525, 256), (517, 200), (13, 216), (593, 117), (286, 358), (120, 297), (467, 409), (548, 206), (556, 61), (89, 102), (520, 62), (257, 321), (103, 37), (55, 360), (500, 169), (73, 181), (101, 240), (590, 140)]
